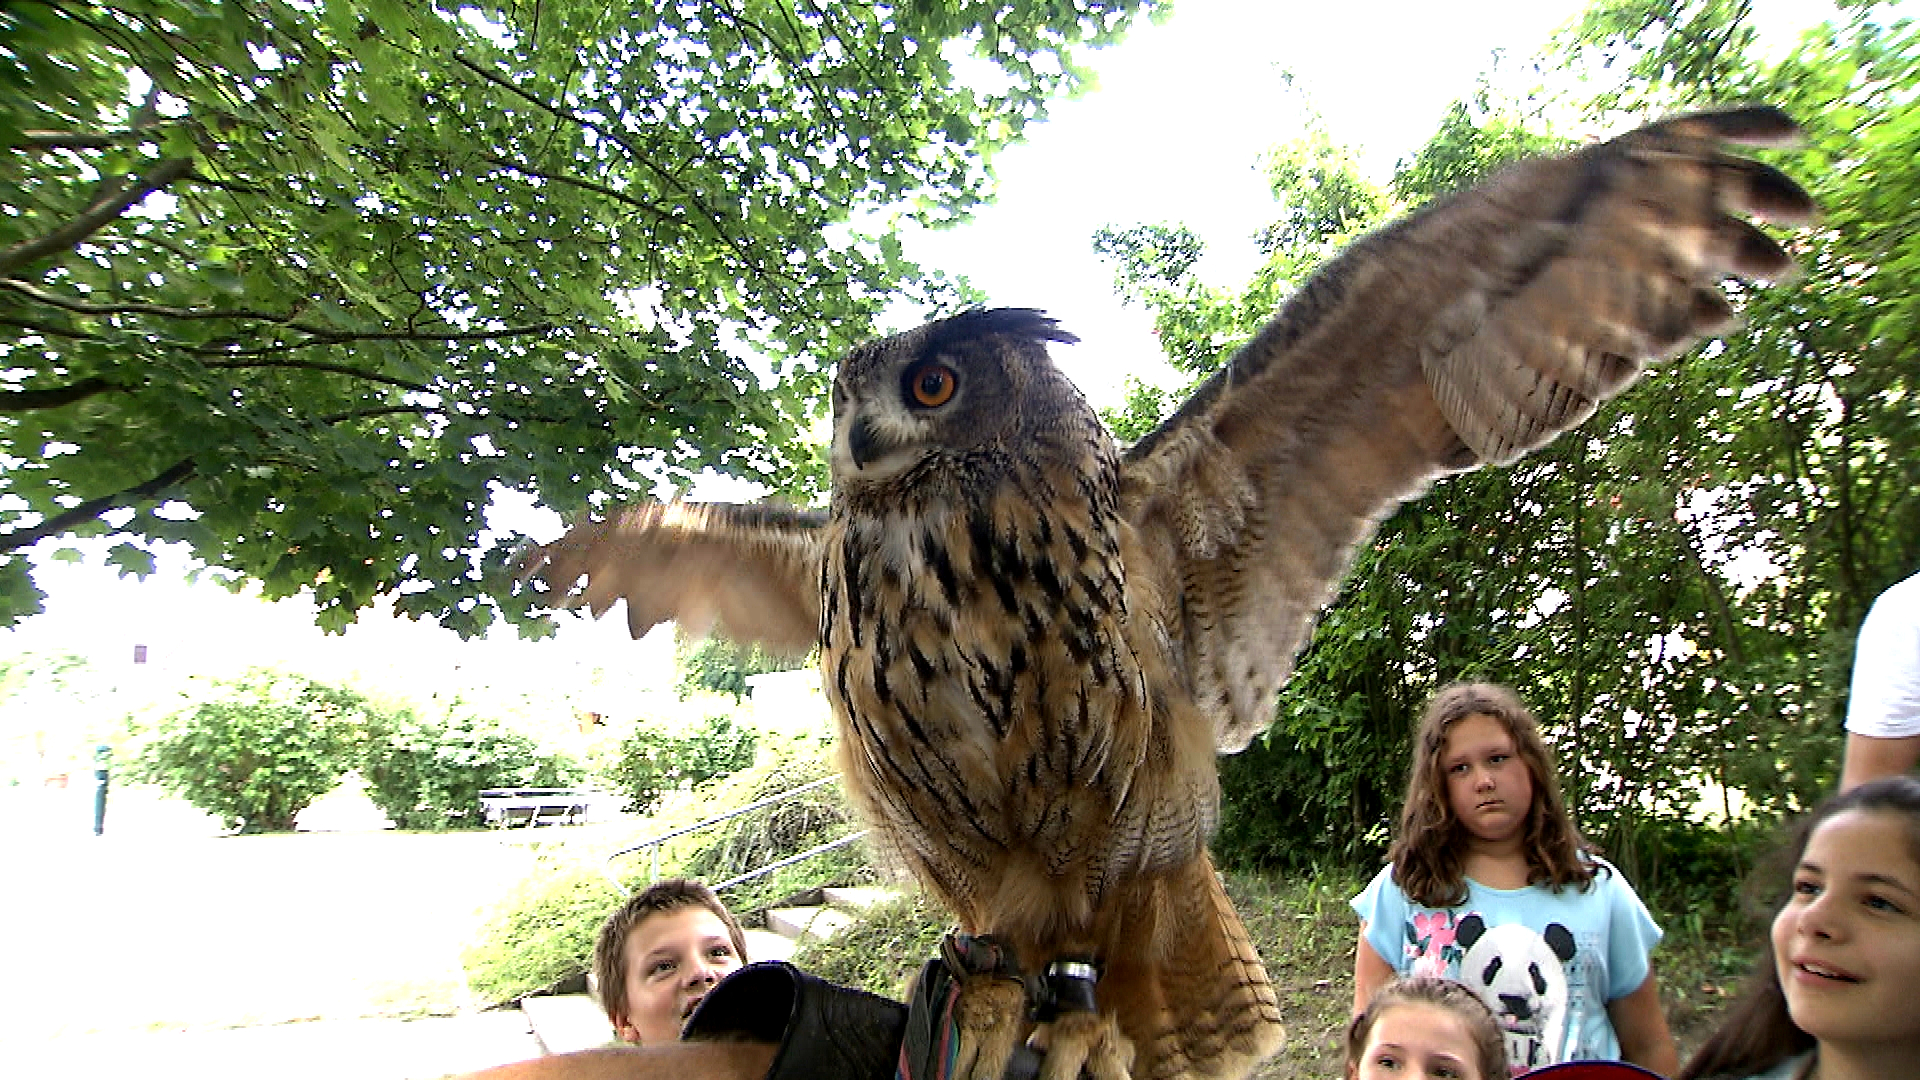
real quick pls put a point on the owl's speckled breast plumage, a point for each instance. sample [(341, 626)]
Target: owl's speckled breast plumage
[(974, 650)]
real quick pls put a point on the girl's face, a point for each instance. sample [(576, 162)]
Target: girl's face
[(1847, 944), (1489, 787), (1417, 1041)]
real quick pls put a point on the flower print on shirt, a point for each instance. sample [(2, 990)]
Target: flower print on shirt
[(1431, 947)]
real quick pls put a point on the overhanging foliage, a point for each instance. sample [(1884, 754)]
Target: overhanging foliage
[(300, 284)]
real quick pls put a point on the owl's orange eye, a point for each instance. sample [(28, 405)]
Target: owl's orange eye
[(932, 385)]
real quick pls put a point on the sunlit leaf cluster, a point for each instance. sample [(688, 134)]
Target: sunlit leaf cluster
[(301, 283)]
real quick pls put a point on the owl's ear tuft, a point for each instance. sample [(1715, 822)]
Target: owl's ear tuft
[(1027, 324)]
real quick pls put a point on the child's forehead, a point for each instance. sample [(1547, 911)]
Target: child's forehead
[(1862, 838), (1474, 730), (1427, 1024), (673, 926)]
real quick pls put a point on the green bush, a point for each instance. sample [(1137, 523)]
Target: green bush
[(258, 749), (720, 666), (643, 770), (652, 763), (716, 749), (428, 774)]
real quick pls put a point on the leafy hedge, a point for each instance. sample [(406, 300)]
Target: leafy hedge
[(543, 932), (428, 774), (652, 763), (258, 749)]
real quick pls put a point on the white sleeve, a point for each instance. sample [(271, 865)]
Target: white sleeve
[(1884, 702)]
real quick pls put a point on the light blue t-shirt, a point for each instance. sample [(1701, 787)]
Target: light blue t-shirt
[(1546, 962)]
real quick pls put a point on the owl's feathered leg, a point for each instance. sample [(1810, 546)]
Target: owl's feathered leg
[(1184, 980)]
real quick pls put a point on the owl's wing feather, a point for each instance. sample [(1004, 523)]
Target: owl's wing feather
[(748, 572), (1473, 331)]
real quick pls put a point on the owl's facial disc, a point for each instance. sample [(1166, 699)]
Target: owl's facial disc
[(878, 438), (875, 443)]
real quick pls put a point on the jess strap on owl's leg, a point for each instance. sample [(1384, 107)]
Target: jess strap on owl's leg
[(973, 1001)]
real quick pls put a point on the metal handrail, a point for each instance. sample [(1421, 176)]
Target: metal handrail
[(790, 860), (655, 843)]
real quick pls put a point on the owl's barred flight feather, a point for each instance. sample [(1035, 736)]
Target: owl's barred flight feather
[(1034, 645)]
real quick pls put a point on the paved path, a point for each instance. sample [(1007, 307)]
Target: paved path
[(163, 949), (364, 1049)]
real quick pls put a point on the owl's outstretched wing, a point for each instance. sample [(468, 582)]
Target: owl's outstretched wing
[(1472, 331), (749, 572)]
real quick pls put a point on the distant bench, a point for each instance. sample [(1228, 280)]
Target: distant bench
[(507, 807)]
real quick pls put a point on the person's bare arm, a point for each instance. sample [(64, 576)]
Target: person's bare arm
[(1369, 972), (1870, 758), (1641, 1024), (674, 1061)]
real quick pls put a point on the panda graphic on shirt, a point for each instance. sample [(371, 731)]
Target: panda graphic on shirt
[(1521, 975)]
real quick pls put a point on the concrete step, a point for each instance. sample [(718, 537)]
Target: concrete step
[(564, 1023), (858, 897), (767, 945), (816, 922)]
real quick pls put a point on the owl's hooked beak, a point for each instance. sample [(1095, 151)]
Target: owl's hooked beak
[(863, 442)]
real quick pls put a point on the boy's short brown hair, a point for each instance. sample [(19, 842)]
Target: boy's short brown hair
[(609, 951)]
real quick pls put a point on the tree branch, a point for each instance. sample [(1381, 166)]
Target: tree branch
[(336, 369), (82, 307), (321, 335), (327, 337), (107, 207), (84, 140), (49, 331), (385, 410), (574, 181), (19, 401), (67, 520), (688, 197)]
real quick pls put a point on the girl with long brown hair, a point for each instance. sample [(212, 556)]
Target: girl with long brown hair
[(1490, 885), (1833, 997)]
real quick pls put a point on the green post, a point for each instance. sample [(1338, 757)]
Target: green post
[(102, 756)]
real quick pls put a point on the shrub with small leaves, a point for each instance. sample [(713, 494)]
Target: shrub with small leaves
[(428, 774), (644, 769), (258, 749), (652, 763), (717, 748)]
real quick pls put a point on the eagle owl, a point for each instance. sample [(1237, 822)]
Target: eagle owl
[(1035, 642)]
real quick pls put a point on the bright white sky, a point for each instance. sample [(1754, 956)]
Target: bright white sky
[(1173, 133)]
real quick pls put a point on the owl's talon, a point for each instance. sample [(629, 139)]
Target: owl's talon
[(1084, 1044), (988, 1016)]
